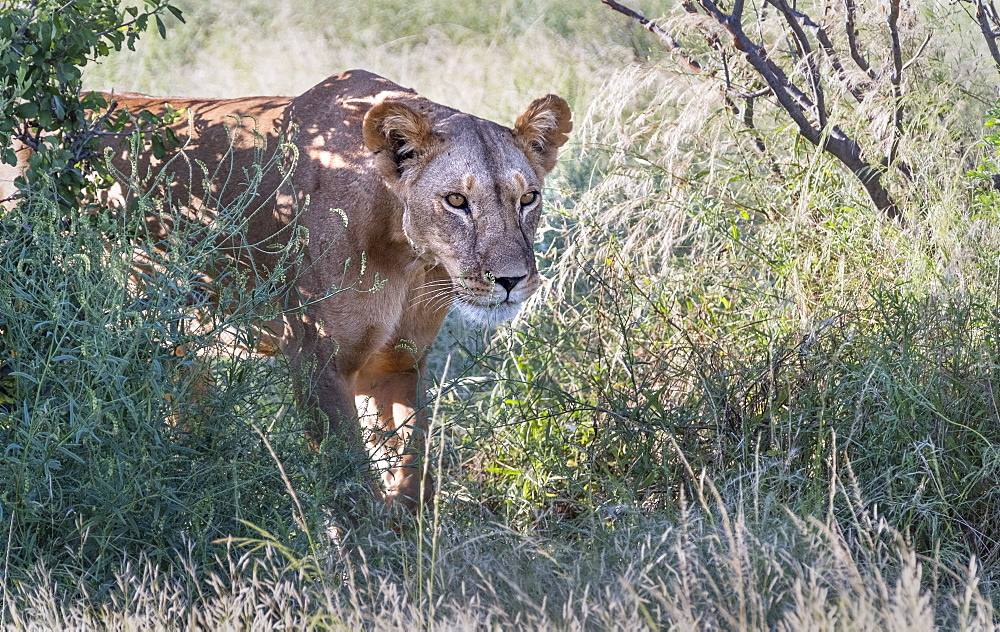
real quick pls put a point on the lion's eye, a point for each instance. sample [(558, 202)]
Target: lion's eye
[(529, 198), (457, 200)]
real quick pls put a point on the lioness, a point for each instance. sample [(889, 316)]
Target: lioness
[(441, 208)]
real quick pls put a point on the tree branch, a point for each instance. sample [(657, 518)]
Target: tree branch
[(826, 44), (916, 55), (808, 114), (802, 40), (756, 94), (986, 16), (665, 37), (852, 41), (896, 79), (792, 100)]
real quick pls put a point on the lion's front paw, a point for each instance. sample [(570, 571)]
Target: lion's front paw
[(408, 488)]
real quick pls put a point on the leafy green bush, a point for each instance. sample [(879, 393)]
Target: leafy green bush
[(44, 46)]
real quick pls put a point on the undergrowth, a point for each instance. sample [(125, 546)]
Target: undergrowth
[(742, 399), (125, 427)]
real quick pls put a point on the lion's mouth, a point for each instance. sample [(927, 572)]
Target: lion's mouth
[(490, 304), (487, 313)]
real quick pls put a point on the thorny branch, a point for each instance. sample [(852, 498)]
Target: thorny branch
[(807, 106)]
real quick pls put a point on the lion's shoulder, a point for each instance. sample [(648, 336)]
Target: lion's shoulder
[(344, 97), (355, 84)]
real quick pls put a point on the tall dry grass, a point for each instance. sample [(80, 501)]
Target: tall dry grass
[(489, 59), (710, 569)]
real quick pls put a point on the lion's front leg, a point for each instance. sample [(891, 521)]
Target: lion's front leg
[(325, 394), (387, 399)]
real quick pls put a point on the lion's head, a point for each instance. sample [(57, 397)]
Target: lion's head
[(471, 193)]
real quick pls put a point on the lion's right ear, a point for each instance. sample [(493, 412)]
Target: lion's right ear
[(396, 134)]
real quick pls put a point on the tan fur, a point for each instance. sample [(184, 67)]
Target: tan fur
[(389, 159)]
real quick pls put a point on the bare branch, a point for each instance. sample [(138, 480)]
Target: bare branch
[(796, 105), (792, 100), (665, 37), (826, 44), (809, 113), (810, 58), (896, 79), (756, 94), (986, 15), (916, 55), (852, 41), (738, 10)]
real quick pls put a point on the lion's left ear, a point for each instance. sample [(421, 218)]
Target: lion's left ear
[(542, 130)]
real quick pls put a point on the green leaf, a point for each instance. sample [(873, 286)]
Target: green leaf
[(176, 12), (159, 151), (27, 111), (57, 106), (161, 28)]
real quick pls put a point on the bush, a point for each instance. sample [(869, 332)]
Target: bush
[(767, 335), (125, 426)]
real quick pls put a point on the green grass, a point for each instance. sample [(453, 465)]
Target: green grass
[(740, 401)]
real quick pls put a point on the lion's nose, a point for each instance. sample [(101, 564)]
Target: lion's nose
[(509, 283)]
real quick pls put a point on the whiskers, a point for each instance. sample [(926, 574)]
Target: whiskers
[(435, 295)]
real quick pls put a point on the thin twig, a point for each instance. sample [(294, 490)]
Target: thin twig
[(665, 37), (300, 515), (852, 41), (896, 79), (802, 41), (756, 94), (916, 55), (826, 44)]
